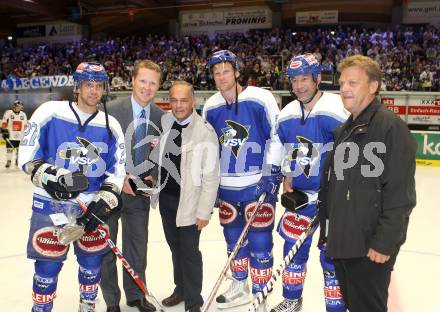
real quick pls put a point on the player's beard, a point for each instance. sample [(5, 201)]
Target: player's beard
[(88, 103)]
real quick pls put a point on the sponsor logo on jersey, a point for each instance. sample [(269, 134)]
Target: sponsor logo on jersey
[(43, 299), (293, 278), (45, 242), (332, 292), (38, 204), (88, 288), (227, 213), (83, 154), (93, 241), (261, 276), (265, 215), (234, 136), (293, 224), (239, 265), (329, 274), (305, 154)]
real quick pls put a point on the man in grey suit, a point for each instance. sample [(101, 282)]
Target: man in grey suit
[(140, 120)]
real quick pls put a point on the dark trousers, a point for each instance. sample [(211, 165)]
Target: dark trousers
[(364, 283), (134, 217), (187, 258)]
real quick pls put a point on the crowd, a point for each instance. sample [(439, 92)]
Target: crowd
[(408, 56)]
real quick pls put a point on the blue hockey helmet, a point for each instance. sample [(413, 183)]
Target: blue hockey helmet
[(90, 71), (303, 65), (223, 56)]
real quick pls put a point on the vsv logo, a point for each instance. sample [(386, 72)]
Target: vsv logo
[(305, 154), (83, 154), (234, 136)]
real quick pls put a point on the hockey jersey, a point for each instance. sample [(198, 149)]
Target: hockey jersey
[(247, 140), (307, 141), (15, 123), (55, 135)]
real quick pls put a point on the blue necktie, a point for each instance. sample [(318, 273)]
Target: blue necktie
[(139, 134)]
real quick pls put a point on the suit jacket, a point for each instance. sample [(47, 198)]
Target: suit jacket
[(199, 168), (122, 110)]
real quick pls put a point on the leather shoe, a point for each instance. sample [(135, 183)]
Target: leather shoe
[(142, 304), (113, 309), (194, 309), (172, 300)]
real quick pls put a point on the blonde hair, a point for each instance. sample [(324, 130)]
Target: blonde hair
[(371, 67), (183, 83), (147, 64)]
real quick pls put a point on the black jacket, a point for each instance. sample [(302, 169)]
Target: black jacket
[(368, 210)]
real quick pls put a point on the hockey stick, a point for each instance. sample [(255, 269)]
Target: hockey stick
[(124, 262), (260, 296), (233, 254)]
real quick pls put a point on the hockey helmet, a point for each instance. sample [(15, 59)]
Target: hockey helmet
[(223, 56), (303, 65), (90, 71), (18, 105)]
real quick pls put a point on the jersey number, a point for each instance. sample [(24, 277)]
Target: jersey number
[(30, 131)]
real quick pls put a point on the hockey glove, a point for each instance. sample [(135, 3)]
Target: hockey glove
[(294, 200), (106, 201), (269, 184), (60, 183)]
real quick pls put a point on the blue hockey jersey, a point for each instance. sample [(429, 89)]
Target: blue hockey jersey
[(306, 142), (54, 135), (247, 140)]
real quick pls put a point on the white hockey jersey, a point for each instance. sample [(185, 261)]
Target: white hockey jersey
[(15, 123), (56, 135), (247, 140)]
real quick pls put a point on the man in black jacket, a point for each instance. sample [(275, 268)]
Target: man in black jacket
[(368, 189)]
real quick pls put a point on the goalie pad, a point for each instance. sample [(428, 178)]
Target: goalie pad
[(60, 183), (294, 200)]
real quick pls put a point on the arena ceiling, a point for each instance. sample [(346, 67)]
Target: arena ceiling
[(107, 15), (131, 16)]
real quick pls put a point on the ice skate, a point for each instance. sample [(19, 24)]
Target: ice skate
[(8, 164), (288, 305), (262, 307), (86, 306), (237, 294)]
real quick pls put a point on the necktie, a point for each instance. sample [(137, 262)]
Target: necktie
[(139, 134)]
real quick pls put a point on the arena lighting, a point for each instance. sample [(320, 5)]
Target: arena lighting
[(31, 1), (332, 32), (294, 33), (10, 38), (222, 4)]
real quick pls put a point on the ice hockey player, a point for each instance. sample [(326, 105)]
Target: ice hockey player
[(13, 125), (305, 128), (72, 151), (244, 120)]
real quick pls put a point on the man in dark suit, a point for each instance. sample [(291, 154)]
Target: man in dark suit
[(140, 120)]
